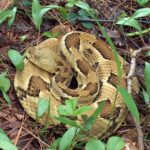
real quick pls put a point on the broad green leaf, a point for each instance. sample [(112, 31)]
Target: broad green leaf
[(147, 77), (142, 2), (4, 82), (3, 136), (23, 37), (55, 144), (148, 53), (129, 22), (16, 59), (95, 145), (70, 3), (5, 142), (50, 35), (67, 121), (87, 25), (83, 5), (91, 119), (5, 145), (4, 15), (38, 11), (69, 107), (6, 97), (8, 14), (128, 100), (146, 97), (115, 143), (72, 17), (81, 110), (67, 139), (143, 12), (12, 16), (36, 8), (43, 106), (47, 34), (83, 14)]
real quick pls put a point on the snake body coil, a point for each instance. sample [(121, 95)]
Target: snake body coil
[(77, 65)]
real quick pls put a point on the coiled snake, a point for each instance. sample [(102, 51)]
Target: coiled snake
[(51, 68)]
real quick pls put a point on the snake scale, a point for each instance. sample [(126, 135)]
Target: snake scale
[(75, 65)]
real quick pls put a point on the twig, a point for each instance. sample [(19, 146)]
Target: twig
[(129, 83)]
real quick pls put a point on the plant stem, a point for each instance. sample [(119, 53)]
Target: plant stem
[(138, 33)]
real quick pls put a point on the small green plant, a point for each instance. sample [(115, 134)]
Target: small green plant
[(43, 107), (81, 16), (142, 2), (71, 137), (38, 12), (68, 142), (4, 86), (133, 22), (5, 142), (51, 35), (16, 58), (8, 14)]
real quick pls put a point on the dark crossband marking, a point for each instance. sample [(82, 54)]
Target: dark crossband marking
[(21, 93), (103, 49), (113, 80), (83, 66), (92, 88), (36, 84), (73, 40)]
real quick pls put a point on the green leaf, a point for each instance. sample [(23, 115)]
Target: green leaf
[(23, 37), (36, 8), (47, 34), (50, 35), (7, 145), (67, 121), (128, 100), (81, 110), (67, 139), (146, 97), (70, 3), (43, 106), (55, 144), (3, 136), (143, 12), (91, 119), (96, 144), (5, 142), (72, 17), (10, 14), (69, 107), (16, 59), (142, 2), (4, 15), (12, 17), (147, 77), (115, 143), (6, 97), (4, 82), (129, 22), (87, 25), (83, 14), (38, 11), (83, 5)]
